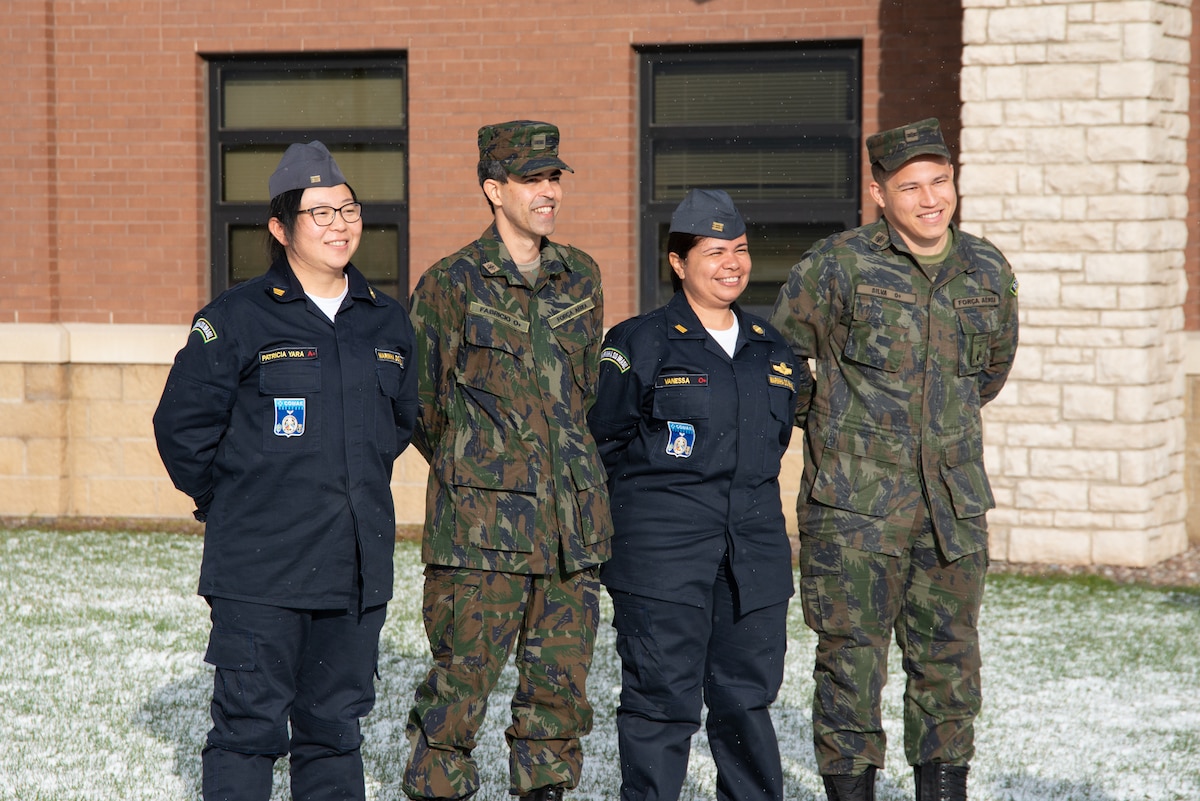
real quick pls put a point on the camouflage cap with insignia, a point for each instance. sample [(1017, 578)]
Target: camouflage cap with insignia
[(892, 149), (302, 166), (708, 212), (524, 147)]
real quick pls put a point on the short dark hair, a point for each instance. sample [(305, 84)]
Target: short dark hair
[(879, 174), (490, 170), (285, 207), (680, 243)]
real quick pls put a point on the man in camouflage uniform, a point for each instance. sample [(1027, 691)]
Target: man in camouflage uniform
[(517, 520), (912, 324)]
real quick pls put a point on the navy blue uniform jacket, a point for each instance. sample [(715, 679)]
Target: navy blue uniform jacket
[(692, 442), (283, 426)]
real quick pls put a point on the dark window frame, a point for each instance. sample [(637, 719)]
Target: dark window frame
[(225, 215), (839, 214)]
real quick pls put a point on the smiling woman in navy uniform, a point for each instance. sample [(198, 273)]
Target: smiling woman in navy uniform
[(695, 408), (281, 418)]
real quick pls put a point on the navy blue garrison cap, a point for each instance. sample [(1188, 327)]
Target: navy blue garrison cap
[(303, 166), (708, 212)]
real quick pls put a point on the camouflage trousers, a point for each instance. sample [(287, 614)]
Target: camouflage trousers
[(854, 600), (475, 619)]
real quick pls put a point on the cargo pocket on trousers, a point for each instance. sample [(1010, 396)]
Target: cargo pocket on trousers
[(231, 652), (821, 572), (639, 655)]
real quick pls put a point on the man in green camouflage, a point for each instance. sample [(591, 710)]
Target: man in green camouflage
[(517, 516), (912, 324)]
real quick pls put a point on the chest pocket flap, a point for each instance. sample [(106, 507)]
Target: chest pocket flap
[(495, 347)]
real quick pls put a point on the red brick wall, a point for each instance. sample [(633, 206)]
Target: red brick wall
[(108, 100), (921, 45), (28, 264)]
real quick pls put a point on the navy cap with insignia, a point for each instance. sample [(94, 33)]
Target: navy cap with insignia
[(892, 149), (708, 212), (305, 165)]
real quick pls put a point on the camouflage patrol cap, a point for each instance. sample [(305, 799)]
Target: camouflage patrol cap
[(893, 149), (302, 166), (522, 146), (708, 212)]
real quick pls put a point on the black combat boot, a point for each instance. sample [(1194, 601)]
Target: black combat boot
[(544, 794), (940, 782), (851, 788)]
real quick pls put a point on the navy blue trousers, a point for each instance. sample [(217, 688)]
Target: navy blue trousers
[(311, 669), (676, 659)]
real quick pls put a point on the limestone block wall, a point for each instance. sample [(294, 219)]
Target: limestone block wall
[(76, 438), (1074, 162)]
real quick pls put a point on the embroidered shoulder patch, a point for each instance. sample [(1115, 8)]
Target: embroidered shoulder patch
[(205, 329), (614, 356)]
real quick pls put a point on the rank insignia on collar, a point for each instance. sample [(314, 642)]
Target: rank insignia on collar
[(783, 368), (289, 417), (758, 329), (278, 290), (681, 439), (680, 328)]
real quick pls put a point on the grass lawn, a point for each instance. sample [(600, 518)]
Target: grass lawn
[(1092, 690)]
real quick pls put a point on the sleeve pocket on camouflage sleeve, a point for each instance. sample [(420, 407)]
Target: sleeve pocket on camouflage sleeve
[(965, 477), (858, 472), (591, 495)]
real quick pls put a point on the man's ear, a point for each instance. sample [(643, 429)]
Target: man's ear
[(491, 190), (876, 194)]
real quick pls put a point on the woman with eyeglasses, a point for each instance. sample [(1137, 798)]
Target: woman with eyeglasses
[(694, 409), (281, 418)]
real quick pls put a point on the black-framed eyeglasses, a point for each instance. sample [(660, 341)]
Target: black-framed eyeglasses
[(323, 215)]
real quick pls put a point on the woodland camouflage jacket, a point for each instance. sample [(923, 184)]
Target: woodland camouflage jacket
[(507, 375), (903, 362)]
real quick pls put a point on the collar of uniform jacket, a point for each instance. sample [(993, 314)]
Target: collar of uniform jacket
[(682, 322), (493, 255), (283, 285)]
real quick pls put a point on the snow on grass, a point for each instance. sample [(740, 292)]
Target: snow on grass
[(1092, 691)]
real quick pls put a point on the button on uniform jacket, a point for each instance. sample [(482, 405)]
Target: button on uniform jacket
[(507, 375), (283, 426), (692, 440), (904, 362)]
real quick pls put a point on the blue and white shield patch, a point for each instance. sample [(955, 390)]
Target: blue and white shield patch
[(681, 439), (289, 417)]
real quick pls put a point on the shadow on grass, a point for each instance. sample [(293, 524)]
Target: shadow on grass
[(177, 714)]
